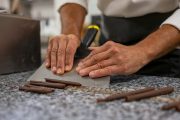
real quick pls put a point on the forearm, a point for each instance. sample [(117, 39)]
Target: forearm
[(72, 18), (161, 42)]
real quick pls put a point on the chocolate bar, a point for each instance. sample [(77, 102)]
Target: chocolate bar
[(63, 82), (123, 95), (153, 93), (36, 89), (48, 84)]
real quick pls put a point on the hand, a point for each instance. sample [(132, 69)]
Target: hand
[(60, 53), (112, 59)]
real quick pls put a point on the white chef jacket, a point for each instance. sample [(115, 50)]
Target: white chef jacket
[(135, 8)]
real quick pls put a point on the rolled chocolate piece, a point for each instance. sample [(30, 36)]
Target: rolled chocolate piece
[(178, 108), (123, 95), (48, 84), (63, 82), (36, 89), (172, 105), (153, 93)]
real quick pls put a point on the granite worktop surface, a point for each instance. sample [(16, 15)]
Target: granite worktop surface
[(80, 103)]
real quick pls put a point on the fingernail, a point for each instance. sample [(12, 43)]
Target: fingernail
[(47, 64), (59, 71), (78, 68), (82, 72), (80, 64), (92, 74), (54, 69), (68, 68)]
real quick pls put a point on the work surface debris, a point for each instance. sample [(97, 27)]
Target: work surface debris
[(79, 102)]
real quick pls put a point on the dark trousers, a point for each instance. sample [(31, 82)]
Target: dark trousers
[(129, 31)]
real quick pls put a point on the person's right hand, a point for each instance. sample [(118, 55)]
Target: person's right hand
[(60, 53)]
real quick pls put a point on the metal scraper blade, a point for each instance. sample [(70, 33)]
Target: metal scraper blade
[(42, 72)]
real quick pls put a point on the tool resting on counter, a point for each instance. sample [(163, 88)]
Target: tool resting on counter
[(73, 76)]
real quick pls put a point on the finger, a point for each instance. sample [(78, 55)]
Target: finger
[(54, 54), (94, 59), (61, 54), (48, 55), (110, 70), (100, 65), (70, 52), (92, 48), (96, 51)]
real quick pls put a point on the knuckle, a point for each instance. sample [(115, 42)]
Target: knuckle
[(111, 52), (48, 51), (56, 38), (59, 65), (62, 37), (110, 43), (68, 51), (94, 59), (119, 58), (53, 39), (84, 63), (123, 69), (115, 49), (100, 65), (108, 70), (60, 52), (53, 50), (93, 53)]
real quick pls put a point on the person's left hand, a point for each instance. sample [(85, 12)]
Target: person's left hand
[(112, 59)]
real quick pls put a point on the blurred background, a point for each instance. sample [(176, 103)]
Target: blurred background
[(47, 12)]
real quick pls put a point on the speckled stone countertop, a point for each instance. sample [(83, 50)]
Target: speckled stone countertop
[(80, 103)]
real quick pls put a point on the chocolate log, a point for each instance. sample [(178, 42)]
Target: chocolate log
[(63, 82), (36, 89), (178, 108), (123, 95), (172, 105), (48, 84), (153, 93)]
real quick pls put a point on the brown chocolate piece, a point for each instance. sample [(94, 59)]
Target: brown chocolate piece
[(123, 95), (178, 108), (153, 93), (63, 82), (36, 89), (48, 84), (172, 105)]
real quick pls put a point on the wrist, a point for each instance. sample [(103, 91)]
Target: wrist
[(148, 54), (71, 32)]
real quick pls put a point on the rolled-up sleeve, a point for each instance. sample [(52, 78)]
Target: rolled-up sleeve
[(83, 3), (174, 19)]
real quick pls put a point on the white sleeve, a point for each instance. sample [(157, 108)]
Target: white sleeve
[(83, 3), (174, 19)]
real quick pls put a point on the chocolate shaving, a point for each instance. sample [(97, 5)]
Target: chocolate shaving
[(63, 82), (123, 95), (48, 84), (153, 93)]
